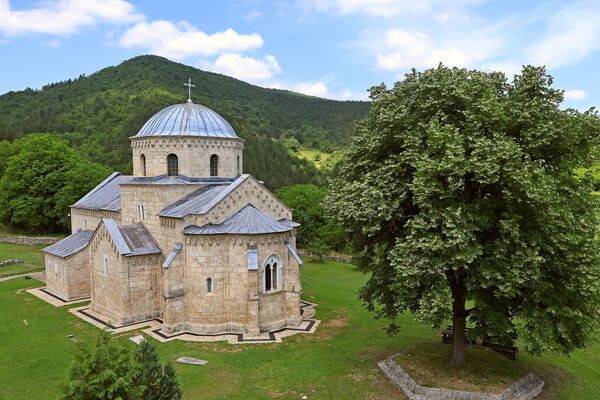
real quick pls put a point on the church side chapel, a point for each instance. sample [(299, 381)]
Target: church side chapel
[(188, 239)]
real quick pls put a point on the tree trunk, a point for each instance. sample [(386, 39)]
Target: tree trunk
[(459, 314), (459, 324)]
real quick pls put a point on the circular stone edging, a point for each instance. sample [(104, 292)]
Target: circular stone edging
[(525, 388)]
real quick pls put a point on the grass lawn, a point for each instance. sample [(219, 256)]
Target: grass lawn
[(31, 255), (338, 362)]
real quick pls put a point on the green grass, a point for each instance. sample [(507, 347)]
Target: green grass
[(33, 259), (339, 361), (319, 158)]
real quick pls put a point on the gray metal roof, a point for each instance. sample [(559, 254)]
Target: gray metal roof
[(171, 257), (194, 203), (70, 245), (248, 221), (105, 196), (187, 119), (200, 201), (177, 180), (293, 252), (131, 240)]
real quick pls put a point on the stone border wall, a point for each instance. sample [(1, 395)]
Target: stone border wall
[(524, 389), (343, 258), (28, 240)]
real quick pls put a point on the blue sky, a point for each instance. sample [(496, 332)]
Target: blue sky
[(329, 48)]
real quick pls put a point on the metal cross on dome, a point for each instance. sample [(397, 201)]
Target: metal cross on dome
[(190, 86)]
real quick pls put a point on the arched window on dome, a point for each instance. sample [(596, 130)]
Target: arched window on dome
[(143, 164), (214, 165), (172, 165)]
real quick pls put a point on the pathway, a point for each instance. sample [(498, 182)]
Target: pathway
[(40, 276)]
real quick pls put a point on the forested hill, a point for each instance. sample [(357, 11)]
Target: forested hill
[(98, 113)]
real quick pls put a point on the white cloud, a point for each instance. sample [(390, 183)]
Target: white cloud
[(575, 95), (416, 49), (386, 8), (64, 16), (182, 40), (573, 32), (245, 68)]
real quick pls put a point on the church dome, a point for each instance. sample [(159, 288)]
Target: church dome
[(187, 119)]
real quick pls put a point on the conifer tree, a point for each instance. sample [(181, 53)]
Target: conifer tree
[(106, 371)]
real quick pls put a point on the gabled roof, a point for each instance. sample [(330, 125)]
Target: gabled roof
[(70, 245), (105, 196), (131, 240), (248, 221), (202, 200), (193, 203)]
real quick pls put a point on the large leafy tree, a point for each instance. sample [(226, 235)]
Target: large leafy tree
[(459, 185), (40, 179)]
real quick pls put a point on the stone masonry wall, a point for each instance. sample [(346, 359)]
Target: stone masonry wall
[(68, 278), (234, 288), (129, 289), (249, 191), (193, 154), (82, 219), (28, 240)]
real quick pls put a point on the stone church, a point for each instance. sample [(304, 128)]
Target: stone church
[(188, 239)]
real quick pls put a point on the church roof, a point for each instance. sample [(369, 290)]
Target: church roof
[(131, 240), (200, 201), (248, 221), (105, 196), (187, 119), (70, 245)]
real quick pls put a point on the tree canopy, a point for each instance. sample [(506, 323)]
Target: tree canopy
[(459, 185), (40, 179)]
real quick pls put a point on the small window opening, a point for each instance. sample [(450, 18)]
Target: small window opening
[(209, 285), (172, 165), (106, 265), (214, 165)]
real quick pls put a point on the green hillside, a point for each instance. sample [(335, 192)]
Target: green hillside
[(98, 113)]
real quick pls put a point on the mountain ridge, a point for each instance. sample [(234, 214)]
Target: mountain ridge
[(98, 113)]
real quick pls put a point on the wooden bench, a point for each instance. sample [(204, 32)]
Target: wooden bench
[(509, 351), (448, 336)]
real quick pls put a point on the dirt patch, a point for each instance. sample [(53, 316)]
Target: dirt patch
[(336, 323)]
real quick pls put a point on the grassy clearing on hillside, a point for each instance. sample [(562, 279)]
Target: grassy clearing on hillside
[(338, 362), (319, 158), (31, 255)]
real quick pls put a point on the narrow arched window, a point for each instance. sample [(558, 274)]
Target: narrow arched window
[(106, 265), (239, 166), (172, 165), (267, 277), (143, 164), (274, 273), (209, 285), (214, 165)]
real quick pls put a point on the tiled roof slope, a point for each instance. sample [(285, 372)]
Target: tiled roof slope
[(248, 221), (70, 245)]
